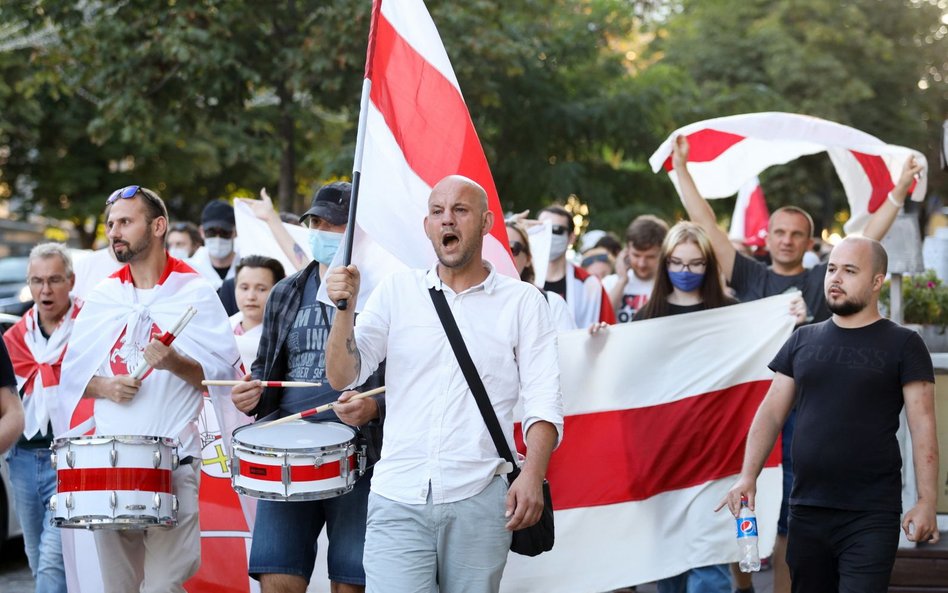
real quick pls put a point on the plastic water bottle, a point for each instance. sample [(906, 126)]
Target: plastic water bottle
[(747, 538)]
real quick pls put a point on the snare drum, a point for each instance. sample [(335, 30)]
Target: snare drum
[(298, 460), (114, 482)]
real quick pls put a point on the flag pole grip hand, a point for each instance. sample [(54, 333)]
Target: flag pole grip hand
[(342, 284)]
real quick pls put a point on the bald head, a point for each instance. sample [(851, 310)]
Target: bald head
[(877, 255), (458, 185)]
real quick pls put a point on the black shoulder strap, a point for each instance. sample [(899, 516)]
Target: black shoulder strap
[(473, 378)]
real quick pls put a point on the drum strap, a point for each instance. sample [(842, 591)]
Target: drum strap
[(473, 380)]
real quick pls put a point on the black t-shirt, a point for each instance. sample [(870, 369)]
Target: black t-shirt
[(848, 397), (673, 309), (558, 286), (7, 378), (752, 280)]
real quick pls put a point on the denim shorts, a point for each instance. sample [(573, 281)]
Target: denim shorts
[(284, 536)]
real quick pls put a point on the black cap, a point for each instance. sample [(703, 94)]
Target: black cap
[(218, 214), (331, 203)]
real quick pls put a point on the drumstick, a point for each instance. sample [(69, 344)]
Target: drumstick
[(166, 339), (265, 383), (322, 408)]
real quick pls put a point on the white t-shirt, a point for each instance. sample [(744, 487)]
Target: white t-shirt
[(634, 297)]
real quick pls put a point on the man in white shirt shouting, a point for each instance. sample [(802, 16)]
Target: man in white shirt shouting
[(440, 510)]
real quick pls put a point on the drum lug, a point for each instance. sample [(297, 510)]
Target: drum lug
[(52, 460), (69, 501), (174, 505), (361, 456), (157, 501), (174, 461), (113, 500), (344, 466), (157, 460), (318, 462), (52, 503), (70, 458), (113, 456)]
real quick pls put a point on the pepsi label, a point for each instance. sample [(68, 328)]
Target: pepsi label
[(746, 527)]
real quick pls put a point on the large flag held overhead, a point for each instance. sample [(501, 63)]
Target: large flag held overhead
[(657, 414), (728, 151), (417, 131)]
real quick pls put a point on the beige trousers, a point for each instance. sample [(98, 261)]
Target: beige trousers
[(156, 560)]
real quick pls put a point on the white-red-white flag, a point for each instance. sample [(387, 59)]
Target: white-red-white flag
[(727, 151), (750, 220), (418, 131), (657, 414)]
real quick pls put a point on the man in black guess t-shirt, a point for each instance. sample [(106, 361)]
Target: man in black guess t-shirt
[(849, 377)]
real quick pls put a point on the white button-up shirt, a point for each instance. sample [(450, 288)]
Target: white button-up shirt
[(434, 433)]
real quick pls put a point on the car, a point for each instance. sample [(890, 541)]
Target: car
[(15, 297), (9, 524)]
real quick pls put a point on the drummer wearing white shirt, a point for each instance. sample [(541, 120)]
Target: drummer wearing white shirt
[(439, 466), (112, 336)]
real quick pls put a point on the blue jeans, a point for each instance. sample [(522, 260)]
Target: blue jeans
[(706, 579), (455, 547), (284, 536), (34, 482)]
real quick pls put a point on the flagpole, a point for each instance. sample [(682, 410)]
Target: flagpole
[(343, 304)]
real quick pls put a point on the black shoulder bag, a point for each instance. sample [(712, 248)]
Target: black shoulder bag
[(529, 541)]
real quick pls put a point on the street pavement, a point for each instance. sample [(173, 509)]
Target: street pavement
[(15, 576)]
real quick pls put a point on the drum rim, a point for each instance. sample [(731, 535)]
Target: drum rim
[(297, 497), (123, 522), (104, 439), (273, 451)]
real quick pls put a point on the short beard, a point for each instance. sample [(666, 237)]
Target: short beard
[(846, 308), (132, 250)]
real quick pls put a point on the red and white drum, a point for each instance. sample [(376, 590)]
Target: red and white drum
[(297, 460), (114, 482)]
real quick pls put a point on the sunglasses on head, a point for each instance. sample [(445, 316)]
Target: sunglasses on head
[(125, 193), (516, 248), (559, 229)]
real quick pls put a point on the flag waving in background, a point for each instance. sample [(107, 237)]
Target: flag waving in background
[(657, 414), (751, 218), (727, 151), (417, 131)]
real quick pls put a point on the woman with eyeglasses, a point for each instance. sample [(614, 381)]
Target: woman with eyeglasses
[(688, 280), (523, 260), (688, 277)]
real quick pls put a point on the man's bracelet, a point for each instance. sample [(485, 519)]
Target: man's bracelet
[(894, 202)]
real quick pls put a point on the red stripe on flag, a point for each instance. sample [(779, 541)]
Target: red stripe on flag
[(114, 478), (298, 473), (706, 145), (756, 219), (428, 118), (630, 455), (879, 178)]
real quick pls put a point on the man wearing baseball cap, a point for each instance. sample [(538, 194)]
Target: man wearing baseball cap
[(216, 261), (295, 329)]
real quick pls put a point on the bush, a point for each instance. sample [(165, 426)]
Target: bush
[(924, 299)]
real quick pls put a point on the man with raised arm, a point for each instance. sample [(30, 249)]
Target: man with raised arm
[(789, 237)]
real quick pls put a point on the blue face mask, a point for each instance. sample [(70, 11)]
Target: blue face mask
[(323, 245), (686, 280)]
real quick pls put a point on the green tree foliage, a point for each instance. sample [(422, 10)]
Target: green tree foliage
[(215, 98)]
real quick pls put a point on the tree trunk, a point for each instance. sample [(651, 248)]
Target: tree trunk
[(287, 187), (86, 238)]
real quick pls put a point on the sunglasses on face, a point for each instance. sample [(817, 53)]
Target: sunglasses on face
[(516, 248), (559, 229)]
